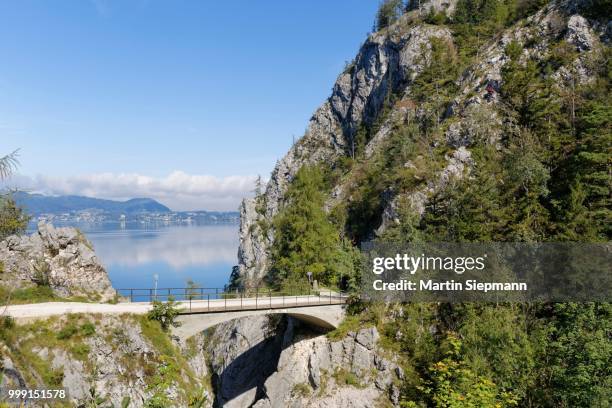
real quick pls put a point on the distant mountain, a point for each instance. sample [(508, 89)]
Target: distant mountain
[(37, 204)]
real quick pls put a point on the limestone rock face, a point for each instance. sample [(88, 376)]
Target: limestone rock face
[(579, 33), (59, 257), (386, 62), (284, 364), (242, 353), (121, 360)]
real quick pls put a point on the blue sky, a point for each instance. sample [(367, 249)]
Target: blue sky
[(165, 94)]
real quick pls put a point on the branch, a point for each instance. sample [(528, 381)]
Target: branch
[(8, 164)]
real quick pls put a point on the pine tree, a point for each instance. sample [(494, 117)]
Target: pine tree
[(388, 13), (305, 240)]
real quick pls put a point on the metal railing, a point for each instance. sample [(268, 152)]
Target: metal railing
[(204, 300)]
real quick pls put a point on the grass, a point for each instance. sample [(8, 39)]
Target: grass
[(34, 294), (345, 377), (351, 323), (33, 347), (302, 390), (161, 341)]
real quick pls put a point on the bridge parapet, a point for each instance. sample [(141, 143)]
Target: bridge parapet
[(211, 300)]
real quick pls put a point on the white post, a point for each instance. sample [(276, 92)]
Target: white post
[(155, 278)]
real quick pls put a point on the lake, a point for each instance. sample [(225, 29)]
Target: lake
[(133, 255)]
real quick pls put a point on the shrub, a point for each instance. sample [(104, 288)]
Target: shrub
[(7, 322), (42, 270), (67, 332), (80, 351), (88, 329), (165, 313)]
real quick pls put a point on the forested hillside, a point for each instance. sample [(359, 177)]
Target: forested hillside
[(467, 121)]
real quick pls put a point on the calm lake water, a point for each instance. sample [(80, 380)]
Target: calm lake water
[(202, 253)]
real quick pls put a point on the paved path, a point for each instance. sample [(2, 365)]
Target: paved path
[(41, 310)]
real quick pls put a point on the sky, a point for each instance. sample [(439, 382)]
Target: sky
[(182, 101)]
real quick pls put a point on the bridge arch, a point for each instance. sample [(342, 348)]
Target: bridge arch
[(326, 317)]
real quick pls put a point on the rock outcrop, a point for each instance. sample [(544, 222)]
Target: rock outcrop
[(103, 360), (61, 258), (269, 362), (389, 61)]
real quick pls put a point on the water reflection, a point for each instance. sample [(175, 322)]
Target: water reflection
[(178, 247), (204, 254)]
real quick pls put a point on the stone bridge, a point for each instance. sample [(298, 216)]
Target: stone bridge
[(326, 317), (323, 311)]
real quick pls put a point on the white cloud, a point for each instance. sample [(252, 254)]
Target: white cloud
[(178, 190), (177, 247)]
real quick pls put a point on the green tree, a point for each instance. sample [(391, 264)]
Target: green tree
[(193, 290), (305, 240), (575, 366), (454, 385), (13, 220), (388, 13), (591, 164)]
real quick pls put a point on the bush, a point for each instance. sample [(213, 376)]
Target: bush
[(67, 332), (80, 351), (165, 313), (7, 322), (88, 329)]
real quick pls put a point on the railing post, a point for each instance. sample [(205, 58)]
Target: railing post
[(270, 295), (151, 295), (208, 296), (131, 295), (240, 300), (256, 295), (189, 304), (225, 302)]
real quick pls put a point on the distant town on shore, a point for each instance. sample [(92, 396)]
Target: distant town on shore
[(72, 209)]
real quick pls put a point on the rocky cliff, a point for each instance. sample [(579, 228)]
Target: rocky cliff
[(103, 361), (60, 258), (387, 64), (278, 362)]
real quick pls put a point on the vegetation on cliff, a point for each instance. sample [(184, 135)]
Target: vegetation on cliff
[(13, 219), (537, 169)]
